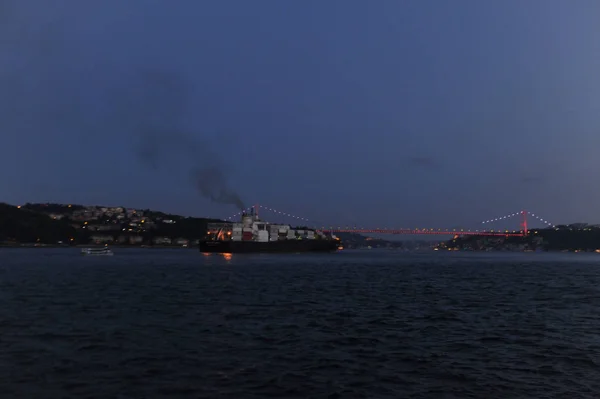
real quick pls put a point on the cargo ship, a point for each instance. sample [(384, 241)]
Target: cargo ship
[(253, 235)]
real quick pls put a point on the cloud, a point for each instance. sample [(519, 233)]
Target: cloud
[(532, 179), (424, 162)]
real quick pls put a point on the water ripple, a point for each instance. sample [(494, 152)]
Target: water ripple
[(154, 324)]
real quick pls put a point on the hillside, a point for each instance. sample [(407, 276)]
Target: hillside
[(28, 226), (53, 224), (62, 224), (561, 238), (353, 240)]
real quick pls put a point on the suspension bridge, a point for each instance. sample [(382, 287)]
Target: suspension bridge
[(522, 215)]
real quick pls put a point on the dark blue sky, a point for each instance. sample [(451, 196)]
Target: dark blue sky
[(397, 113)]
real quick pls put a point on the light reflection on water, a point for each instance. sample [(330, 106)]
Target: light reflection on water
[(173, 323)]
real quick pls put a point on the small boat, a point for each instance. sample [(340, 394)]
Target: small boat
[(104, 251)]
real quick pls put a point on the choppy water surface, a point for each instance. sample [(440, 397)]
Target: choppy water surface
[(176, 324)]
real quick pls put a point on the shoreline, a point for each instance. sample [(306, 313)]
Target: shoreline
[(40, 246), (79, 246)]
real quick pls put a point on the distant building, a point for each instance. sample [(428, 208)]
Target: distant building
[(102, 239), (162, 241), (102, 227), (181, 241), (135, 240), (84, 215)]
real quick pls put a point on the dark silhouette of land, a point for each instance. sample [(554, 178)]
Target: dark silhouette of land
[(61, 224), (70, 225), (576, 237)]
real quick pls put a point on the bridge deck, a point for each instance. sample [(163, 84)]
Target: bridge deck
[(425, 232)]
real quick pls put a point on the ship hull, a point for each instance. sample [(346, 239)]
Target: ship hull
[(281, 246)]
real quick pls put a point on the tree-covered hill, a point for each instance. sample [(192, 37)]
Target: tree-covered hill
[(27, 226)]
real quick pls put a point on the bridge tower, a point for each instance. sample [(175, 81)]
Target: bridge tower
[(524, 222)]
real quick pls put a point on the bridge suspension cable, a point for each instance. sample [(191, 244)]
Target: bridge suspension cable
[(237, 215), (283, 213), (503, 217), (541, 219), (520, 213), (458, 231)]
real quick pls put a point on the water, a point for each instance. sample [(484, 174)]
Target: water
[(176, 324)]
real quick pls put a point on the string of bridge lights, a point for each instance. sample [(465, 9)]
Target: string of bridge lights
[(282, 213), (304, 219), (541, 219), (519, 214), (347, 227), (502, 217), (237, 215)]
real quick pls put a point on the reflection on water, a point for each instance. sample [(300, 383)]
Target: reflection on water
[(175, 324), (226, 256)]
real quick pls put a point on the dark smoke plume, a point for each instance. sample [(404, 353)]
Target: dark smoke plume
[(163, 149), (211, 183), (148, 103), (156, 107)]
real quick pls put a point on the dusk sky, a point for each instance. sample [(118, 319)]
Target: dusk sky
[(379, 113)]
